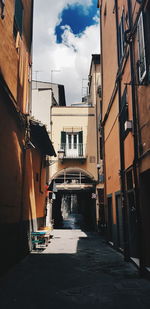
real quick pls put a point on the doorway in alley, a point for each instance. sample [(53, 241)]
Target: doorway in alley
[(74, 210), (73, 206)]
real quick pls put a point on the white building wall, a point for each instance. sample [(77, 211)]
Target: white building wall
[(41, 106)]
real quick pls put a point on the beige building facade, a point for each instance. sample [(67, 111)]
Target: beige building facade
[(74, 173), (72, 131), (76, 137)]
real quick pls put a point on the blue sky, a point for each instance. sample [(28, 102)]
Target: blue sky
[(66, 34), (78, 17)]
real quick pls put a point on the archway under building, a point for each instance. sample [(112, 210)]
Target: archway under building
[(74, 204)]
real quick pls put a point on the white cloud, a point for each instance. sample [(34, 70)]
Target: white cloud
[(72, 56)]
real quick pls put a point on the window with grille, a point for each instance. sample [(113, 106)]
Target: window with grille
[(72, 143)]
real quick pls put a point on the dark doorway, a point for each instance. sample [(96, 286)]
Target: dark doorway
[(74, 210), (120, 242), (110, 219), (145, 209), (101, 211), (132, 214)]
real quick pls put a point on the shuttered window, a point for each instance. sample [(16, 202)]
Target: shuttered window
[(2, 6), (63, 140), (123, 113), (146, 23), (143, 37), (18, 17), (122, 36), (80, 143), (72, 143), (141, 49)]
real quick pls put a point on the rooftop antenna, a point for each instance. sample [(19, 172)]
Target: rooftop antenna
[(36, 76), (52, 71), (84, 86)]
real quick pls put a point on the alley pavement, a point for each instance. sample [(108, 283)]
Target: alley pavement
[(76, 270)]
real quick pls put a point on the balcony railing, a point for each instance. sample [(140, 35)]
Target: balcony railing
[(74, 151)]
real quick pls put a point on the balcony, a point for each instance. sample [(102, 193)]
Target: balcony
[(73, 151)]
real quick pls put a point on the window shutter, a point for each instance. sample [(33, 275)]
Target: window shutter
[(2, 6), (141, 49), (146, 22), (119, 32), (122, 37), (18, 14), (80, 137), (63, 139), (81, 143), (124, 112)]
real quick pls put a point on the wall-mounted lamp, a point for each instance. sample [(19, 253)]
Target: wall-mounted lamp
[(61, 154), (29, 145)]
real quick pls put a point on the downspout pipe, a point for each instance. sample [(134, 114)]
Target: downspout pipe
[(96, 125), (102, 123), (136, 141), (122, 161), (31, 57)]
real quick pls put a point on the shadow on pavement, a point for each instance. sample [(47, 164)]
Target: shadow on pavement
[(92, 275)]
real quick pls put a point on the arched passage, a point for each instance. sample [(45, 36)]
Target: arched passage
[(73, 200)]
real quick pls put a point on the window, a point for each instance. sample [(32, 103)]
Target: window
[(72, 143), (141, 49), (2, 6), (18, 17), (123, 113), (69, 140), (101, 148), (143, 37), (122, 36), (75, 140)]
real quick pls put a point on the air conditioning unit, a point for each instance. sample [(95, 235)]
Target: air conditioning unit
[(128, 125)]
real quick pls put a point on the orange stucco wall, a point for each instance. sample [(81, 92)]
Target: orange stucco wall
[(39, 182), (15, 53), (109, 51), (21, 196), (111, 127), (11, 138)]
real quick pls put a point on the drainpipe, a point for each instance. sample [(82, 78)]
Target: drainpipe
[(102, 126), (121, 146), (136, 139), (96, 126), (30, 59), (97, 150), (21, 234)]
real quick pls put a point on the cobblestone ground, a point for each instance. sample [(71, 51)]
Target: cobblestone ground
[(76, 270)]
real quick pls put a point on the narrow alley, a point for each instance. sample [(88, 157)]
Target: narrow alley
[(75, 154), (76, 270)]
